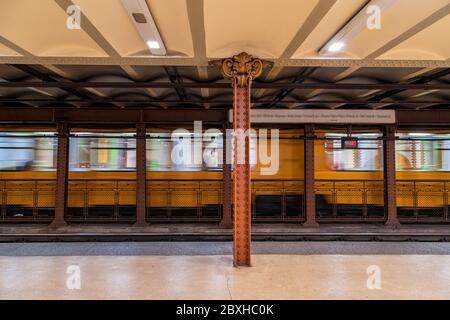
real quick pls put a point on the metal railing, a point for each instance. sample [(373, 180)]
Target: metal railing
[(184, 200), (33, 200), (101, 200), (349, 200), (423, 200), (278, 200), (27, 200)]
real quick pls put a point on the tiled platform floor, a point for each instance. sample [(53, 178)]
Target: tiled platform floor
[(202, 270)]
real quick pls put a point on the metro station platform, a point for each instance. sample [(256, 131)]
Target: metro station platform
[(224, 149), (203, 270), (213, 232)]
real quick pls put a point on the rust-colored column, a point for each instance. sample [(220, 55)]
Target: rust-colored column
[(62, 175), (226, 221), (310, 197), (390, 194), (241, 177), (141, 175), (241, 70)]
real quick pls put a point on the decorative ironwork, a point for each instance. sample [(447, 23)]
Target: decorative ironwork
[(241, 69)]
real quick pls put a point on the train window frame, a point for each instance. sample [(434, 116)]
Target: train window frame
[(31, 163), (126, 136), (432, 155), (335, 147)]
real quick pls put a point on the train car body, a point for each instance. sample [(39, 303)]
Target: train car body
[(101, 185)]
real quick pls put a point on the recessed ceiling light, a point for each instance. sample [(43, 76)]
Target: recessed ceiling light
[(141, 17), (335, 47), (153, 45)]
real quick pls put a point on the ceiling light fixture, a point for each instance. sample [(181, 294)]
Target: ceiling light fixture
[(353, 27), (140, 15)]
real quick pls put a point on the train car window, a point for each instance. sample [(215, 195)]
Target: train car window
[(27, 151), (205, 154), (365, 156), (418, 151), (102, 152), (165, 154)]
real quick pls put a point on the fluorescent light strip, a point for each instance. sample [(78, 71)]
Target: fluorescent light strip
[(147, 30)]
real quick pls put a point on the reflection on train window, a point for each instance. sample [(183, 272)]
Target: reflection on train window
[(165, 152), (367, 156), (102, 152), (185, 152), (423, 152), (27, 151)]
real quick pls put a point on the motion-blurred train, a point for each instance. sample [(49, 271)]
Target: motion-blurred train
[(348, 185)]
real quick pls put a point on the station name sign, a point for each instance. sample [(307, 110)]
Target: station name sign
[(321, 116)]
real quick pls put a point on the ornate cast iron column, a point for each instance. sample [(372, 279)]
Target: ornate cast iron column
[(390, 195), (241, 70), (141, 175), (62, 175)]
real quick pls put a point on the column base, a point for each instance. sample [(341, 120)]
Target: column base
[(58, 224), (140, 224), (226, 224), (311, 224), (242, 266), (393, 223)]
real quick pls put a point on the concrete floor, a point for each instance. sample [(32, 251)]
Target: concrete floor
[(202, 270)]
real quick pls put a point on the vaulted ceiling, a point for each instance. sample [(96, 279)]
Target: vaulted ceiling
[(410, 48)]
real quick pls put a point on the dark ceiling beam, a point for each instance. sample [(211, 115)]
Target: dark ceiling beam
[(175, 78), (49, 79), (132, 116), (300, 78), (327, 86), (421, 80), (111, 115), (218, 102)]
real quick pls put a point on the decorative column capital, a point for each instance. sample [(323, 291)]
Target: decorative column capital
[(241, 69)]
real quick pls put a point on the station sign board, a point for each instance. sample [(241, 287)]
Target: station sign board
[(347, 116)]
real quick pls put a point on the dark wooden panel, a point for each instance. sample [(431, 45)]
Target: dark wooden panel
[(439, 117)]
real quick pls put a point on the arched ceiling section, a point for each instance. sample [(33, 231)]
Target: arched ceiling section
[(172, 19), (260, 24), (114, 24), (410, 48), (39, 27), (291, 32), (428, 44)]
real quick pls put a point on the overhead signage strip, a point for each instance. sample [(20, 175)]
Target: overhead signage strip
[(347, 116)]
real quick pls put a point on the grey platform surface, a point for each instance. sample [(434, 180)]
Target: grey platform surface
[(221, 248), (204, 228), (213, 232)]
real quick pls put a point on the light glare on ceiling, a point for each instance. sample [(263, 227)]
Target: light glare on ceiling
[(335, 47), (153, 45)]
